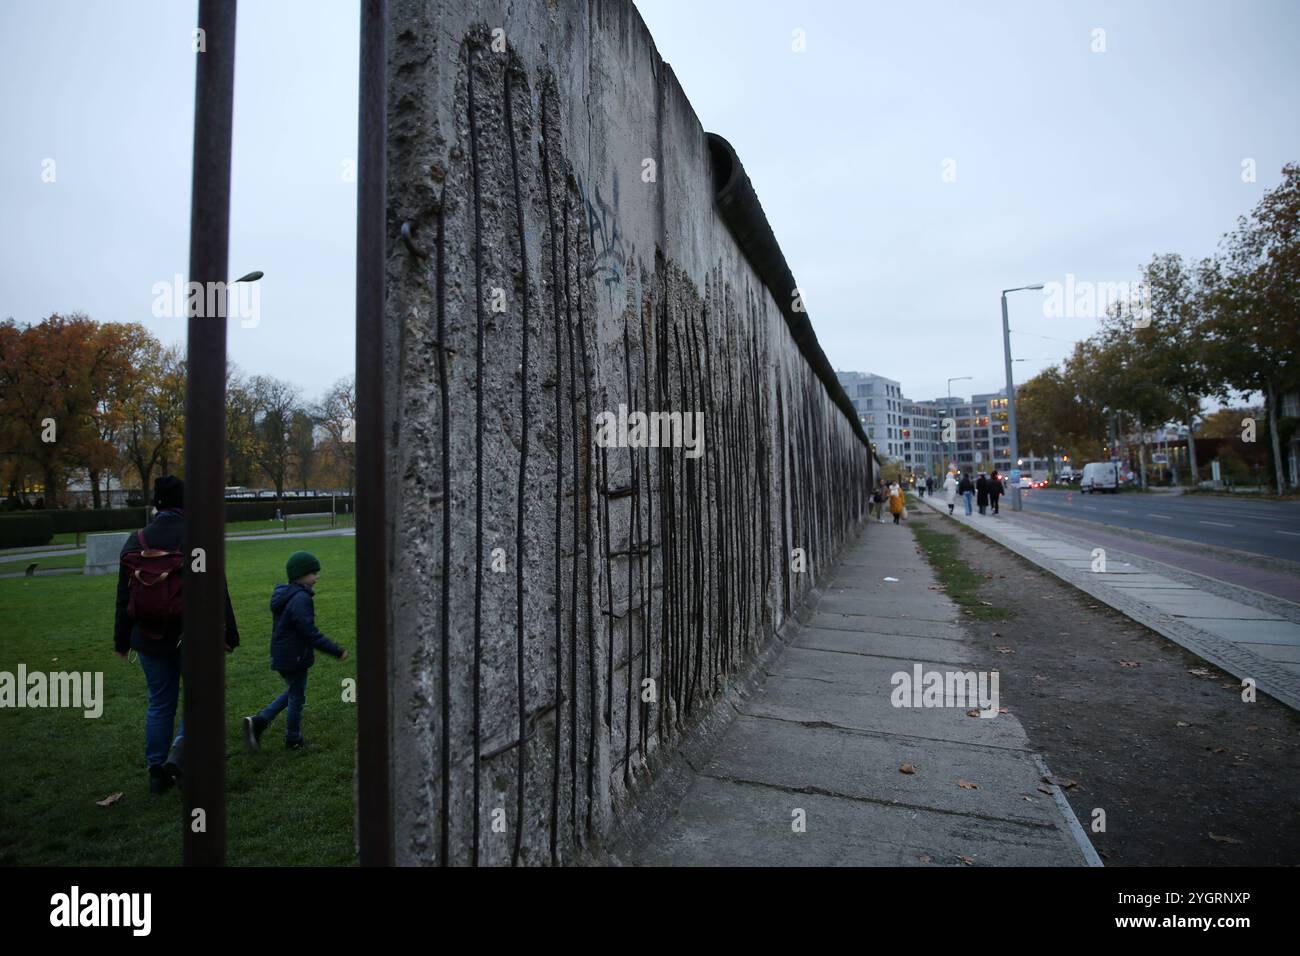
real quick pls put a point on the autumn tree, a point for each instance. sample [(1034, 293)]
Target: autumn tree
[(275, 403), (1252, 304)]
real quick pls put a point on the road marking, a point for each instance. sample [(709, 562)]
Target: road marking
[(1219, 524), (1166, 517)]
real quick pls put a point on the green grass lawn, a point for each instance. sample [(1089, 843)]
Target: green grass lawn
[(940, 549), (283, 807), (44, 564)]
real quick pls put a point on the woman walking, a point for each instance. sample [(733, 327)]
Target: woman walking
[(896, 501), (950, 490)]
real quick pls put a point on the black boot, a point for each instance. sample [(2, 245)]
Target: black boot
[(159, 781), (172, 765), (253, 727)]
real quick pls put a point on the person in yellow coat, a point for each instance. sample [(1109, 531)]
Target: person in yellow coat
[(896, 501)]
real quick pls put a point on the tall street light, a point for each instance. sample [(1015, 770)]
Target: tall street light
[(1011, 397), (959, 378)]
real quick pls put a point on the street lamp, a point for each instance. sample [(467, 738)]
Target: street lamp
[(959, 378), (1011, 395)]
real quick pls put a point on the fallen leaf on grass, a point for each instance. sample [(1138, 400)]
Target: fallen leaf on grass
[(986, 603), (1223, 839), (907, 768), (1200, 672), (1253, 727), (109, 800), (966, 785), (1182, 723), (1129, 663), (925, 858), (1004, 650), (968, 860), (1220, 750)]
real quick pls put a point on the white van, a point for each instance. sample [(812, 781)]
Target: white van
[(1100, 476)]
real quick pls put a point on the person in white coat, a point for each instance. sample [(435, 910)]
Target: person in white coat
[(950, 491)]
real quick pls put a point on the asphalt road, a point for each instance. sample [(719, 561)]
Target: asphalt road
[(1269, 528)]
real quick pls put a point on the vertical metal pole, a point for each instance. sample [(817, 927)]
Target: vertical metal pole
[(1011, 409), (204, 823), (374, 812)]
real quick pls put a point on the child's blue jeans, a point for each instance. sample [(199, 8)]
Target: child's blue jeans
[(294, 697)]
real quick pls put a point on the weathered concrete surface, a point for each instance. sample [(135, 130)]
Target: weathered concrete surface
[(102, 551), (566, 259), (821, 736)]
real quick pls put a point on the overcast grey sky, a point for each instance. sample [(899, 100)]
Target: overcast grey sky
[(1066, 160)]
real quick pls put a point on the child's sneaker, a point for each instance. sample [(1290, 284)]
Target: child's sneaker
[(299, 744), (253, 727)]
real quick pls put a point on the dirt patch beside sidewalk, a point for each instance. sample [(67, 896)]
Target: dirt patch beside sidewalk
[(1187, 773)]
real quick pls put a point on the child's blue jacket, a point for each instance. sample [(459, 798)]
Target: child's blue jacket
[(293, 629)]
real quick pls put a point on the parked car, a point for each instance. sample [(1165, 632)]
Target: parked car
[(1099, 476)]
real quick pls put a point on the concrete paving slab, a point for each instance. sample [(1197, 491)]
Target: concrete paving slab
[(1200, 605), (855, 708), (866, 767), (728, 824), (885, 625), (885, 645), (1250, 633)]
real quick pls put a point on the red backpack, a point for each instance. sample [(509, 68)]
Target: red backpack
[(155, 597)]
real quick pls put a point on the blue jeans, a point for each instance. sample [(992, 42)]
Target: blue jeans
[(967, 495), (163, 676), (293, 697)]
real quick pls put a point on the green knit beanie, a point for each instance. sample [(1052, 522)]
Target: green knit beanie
[(300, 563)]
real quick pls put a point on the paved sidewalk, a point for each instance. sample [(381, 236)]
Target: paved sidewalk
[(820, 735), (1260, 639)]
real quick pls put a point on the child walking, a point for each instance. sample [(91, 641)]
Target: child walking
[(293, 638)]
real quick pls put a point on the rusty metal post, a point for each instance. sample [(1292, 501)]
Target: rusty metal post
[(374, 813), (204, 775)]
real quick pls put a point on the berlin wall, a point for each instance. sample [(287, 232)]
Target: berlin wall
[(569, 251)]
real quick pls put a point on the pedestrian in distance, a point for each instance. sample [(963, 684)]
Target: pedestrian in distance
[(982, 492), (966, 488), (294, 640), (150, 601), (996, 489), (950, 490), (922, 485), (896, 501), (878, 495)]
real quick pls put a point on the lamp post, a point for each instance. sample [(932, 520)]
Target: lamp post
[(959, 378), (1011, 397)]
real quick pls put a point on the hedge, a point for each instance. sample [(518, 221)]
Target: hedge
[(25, 530), (98, 519), (17, 527), (264, 509)]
